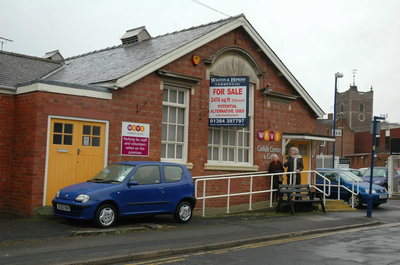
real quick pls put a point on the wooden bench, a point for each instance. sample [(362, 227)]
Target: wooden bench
[(298, 194)]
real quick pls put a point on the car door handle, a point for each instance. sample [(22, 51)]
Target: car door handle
[(160, 188)]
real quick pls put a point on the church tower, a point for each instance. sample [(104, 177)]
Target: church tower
[(356, 106)]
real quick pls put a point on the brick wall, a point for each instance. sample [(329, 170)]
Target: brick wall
[(30, 134), (348, 140), (6, 136)]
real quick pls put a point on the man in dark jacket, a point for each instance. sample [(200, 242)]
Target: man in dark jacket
[(294, 163)]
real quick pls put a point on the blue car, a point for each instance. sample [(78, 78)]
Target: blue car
[(129, 188), (380, 177), (379, 194)]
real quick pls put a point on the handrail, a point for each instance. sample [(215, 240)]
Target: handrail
[(228, 177), (353, 193), (234, 174)]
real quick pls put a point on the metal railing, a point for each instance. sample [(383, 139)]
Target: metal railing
[(339, 186), (251, 176)]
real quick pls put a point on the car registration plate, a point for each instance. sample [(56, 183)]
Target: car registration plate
[(63, 207), (384, 196)]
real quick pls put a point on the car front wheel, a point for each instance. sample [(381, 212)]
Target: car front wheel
[(183, 212), (105, 216), (357, 200)]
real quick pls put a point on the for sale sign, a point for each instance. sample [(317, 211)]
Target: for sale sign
[(135, 139), (229, 101)]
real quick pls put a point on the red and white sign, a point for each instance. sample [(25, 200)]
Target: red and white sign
[(135, 139)]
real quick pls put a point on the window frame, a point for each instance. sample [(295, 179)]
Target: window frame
[(250, 130), (186, 89)]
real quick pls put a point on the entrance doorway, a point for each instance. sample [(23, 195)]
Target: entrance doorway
[(76, 153), (303, 147)]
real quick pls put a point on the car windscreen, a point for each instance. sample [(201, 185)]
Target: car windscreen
[(113, 174), (378, 173), (349, 177)]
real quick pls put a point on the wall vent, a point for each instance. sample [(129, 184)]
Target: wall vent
[(135, 35)]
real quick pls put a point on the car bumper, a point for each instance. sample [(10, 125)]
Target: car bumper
[(375, 198), (77, 210)]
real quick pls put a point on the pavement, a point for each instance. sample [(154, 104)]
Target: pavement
[(56, 241)]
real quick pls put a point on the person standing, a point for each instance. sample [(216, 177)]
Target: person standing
[(294, 163), (276, 166)]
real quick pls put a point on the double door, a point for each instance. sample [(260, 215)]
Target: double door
[(76, 153)]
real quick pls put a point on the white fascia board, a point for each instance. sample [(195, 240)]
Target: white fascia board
[(308, 137), (63, 90), (176, 54), (7, 90), (275, 60)]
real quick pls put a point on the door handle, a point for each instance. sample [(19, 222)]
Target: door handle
[(79, 150), (160, 188)]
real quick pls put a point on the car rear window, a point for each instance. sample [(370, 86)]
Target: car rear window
[(173, 173)]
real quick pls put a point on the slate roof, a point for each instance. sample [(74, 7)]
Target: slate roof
[(18, 68), (114, 62)]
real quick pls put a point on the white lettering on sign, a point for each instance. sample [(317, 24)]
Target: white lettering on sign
[(269, 150)]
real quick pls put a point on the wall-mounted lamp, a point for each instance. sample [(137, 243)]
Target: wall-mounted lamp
[(266, 90)]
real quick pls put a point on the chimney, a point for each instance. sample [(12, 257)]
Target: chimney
[(330, 116), (135, 35)]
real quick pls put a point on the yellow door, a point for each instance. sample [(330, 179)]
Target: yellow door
[(303, 151), (76, 153)]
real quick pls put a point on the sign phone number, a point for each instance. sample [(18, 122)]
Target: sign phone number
[(237, 122)]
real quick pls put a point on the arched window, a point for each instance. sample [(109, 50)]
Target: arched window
[(342, 107), (361, 107)]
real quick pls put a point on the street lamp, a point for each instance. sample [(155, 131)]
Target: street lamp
[(337, 75)]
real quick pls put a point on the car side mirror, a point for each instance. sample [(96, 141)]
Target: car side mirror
[(132, 183)]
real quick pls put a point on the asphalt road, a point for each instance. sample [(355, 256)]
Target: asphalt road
[(375, 246), (38, 242)]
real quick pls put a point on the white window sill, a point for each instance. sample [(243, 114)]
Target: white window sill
[(230, 167), (188, 165)]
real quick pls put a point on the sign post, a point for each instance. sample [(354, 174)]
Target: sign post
[(229, 101), (374, 126)]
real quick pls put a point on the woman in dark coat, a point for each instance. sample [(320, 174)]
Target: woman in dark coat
[(276, 167)]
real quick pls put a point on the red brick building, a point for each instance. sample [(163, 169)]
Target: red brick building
[(363, 146), (63, 124), (344, 140)]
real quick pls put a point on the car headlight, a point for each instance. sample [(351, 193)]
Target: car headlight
[(377, 182), (82, 198), (367, 191), (58, 194)]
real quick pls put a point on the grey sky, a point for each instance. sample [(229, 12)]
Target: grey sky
[(314, 39)]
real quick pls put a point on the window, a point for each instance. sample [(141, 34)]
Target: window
[(342, 107), (229, 145), (303, 150), (322, 143), (62, 133), (361, 107), (288, 146), (174, 124), (147, 175), (173, 173), (91, 135), (366, 161), (359, 161)]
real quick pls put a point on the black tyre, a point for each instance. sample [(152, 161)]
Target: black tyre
[(183, 212), (375, 205), (105, 216), (358, 202)]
